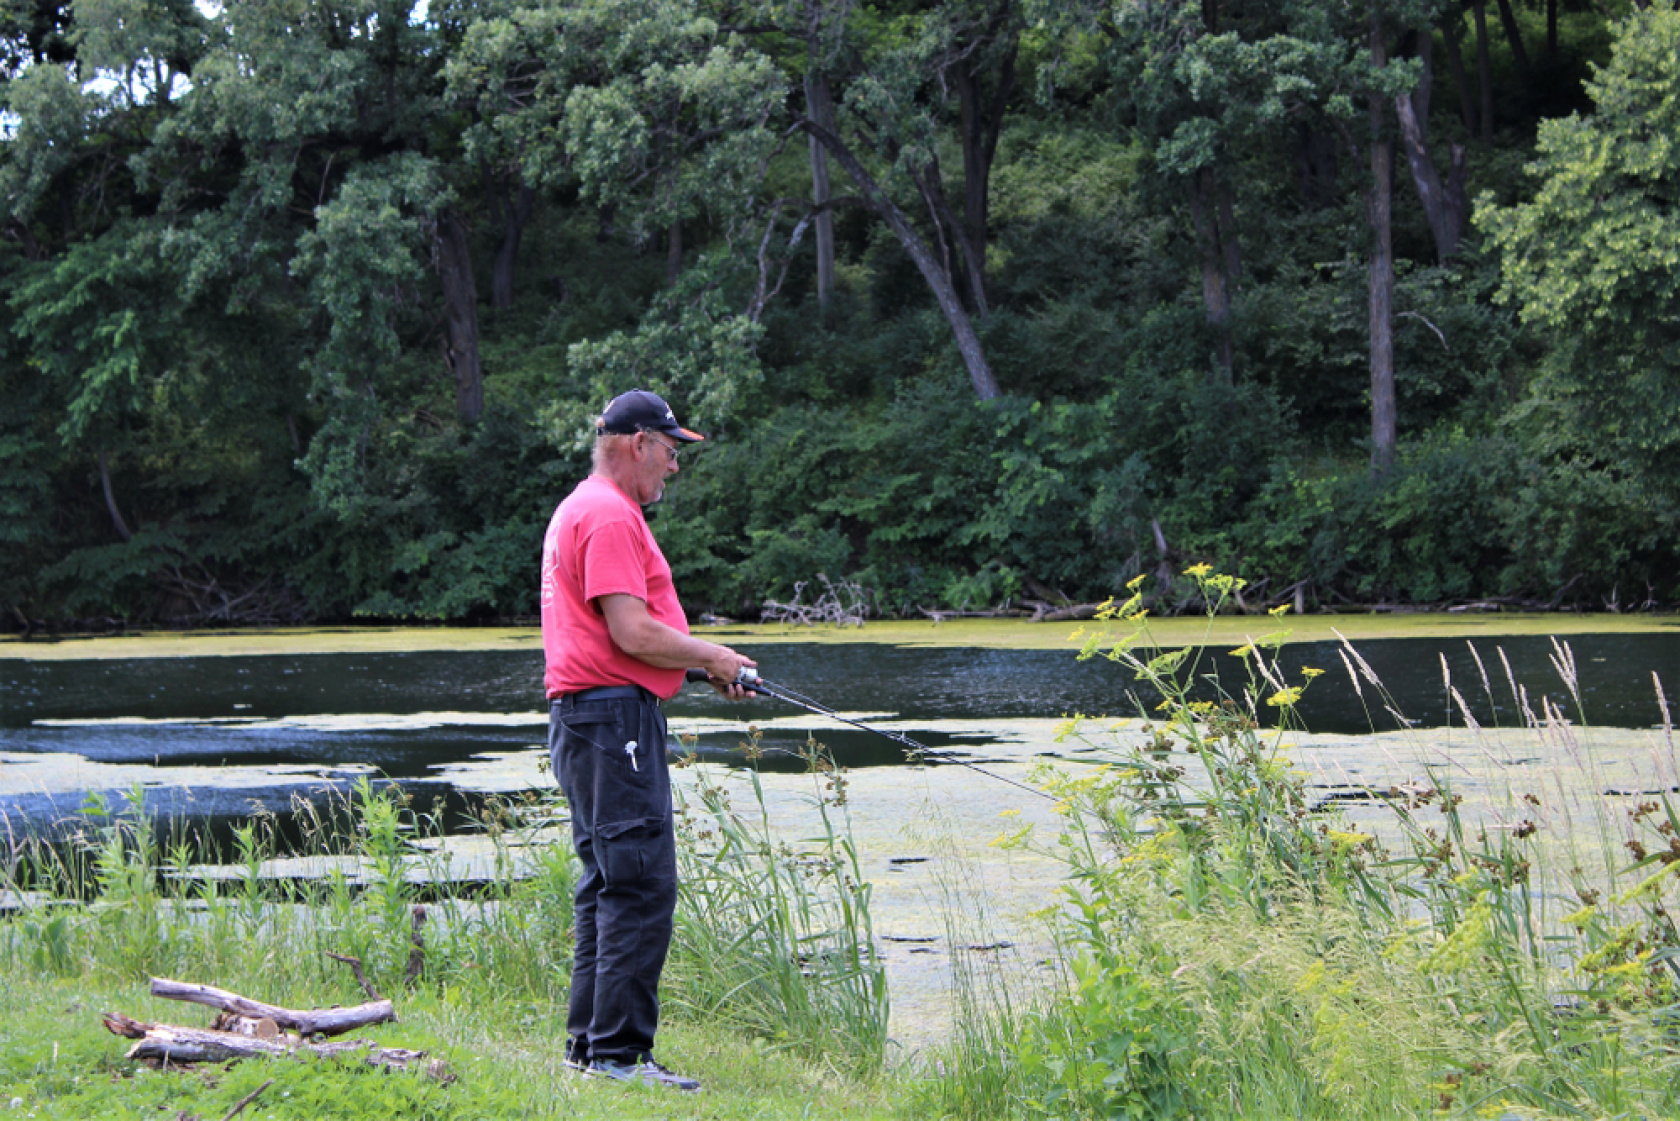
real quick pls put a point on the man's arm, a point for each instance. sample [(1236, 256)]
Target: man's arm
[(646, 639)]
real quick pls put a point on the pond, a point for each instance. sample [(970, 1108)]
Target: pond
[(213, 737)]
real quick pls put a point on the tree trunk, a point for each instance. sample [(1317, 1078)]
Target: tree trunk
[(1451, 31), (931, 183), (968, 342), (1316, 166), (1484, 69), (1443, 204), (1421, 46), (1514, 33), (512, 218), (460, 316), (980, 127), (111, 500), (1216, 293), (673, 252), (1230, 246), (820, 104), (1381, 209)]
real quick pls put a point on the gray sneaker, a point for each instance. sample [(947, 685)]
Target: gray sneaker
[(648, 1073)]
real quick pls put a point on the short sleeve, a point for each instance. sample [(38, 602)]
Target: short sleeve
[(611, 561)]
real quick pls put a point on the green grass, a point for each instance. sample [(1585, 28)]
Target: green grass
[(61, 1063), (800, 1033)]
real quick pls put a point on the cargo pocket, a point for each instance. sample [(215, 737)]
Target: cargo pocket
[(629, 851), (579, 719)]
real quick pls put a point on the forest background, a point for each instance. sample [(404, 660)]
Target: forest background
[(308, 305)]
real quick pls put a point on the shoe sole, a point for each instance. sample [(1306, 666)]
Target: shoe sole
[(590, 1072)]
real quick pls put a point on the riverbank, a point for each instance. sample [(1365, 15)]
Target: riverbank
[(990, 634)]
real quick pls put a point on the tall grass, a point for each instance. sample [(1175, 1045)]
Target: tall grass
[(1235, 946), (774, 937), (773, 940)]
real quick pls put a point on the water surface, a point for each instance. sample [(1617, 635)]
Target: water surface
[(216, 736)]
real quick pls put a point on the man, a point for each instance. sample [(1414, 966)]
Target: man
[(617, 643)]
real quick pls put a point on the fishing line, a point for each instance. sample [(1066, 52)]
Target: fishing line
[(750, 679)]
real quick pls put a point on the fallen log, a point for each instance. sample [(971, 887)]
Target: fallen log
[(1049, 613), (168, 1043), (315, 1021)]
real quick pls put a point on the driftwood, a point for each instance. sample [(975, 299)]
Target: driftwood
[(1049, 613), (318, 1021), (167, 1043), (939, 615), (843, 603)]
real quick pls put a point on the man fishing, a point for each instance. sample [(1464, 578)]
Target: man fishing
[(616, 644)]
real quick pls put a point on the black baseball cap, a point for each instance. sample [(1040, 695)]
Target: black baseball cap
[(641, 411)]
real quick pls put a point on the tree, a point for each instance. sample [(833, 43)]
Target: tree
[(876, 96), (1594, 259)]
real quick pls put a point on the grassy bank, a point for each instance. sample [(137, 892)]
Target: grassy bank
[(773, 994), (57, 1062), (1010, 634)]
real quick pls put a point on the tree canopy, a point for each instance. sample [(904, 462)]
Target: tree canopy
[(309, 304)]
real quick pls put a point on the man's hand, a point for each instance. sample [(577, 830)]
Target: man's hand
[(722, 671)]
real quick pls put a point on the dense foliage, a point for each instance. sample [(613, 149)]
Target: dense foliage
[(308, 304)]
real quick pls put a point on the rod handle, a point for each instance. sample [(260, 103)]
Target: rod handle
[(747, 676)]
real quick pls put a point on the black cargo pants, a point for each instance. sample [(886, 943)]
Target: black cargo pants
[(607, 747)]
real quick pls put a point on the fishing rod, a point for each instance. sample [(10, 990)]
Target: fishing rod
[(749, 679)]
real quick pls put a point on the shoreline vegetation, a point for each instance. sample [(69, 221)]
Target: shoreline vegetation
[(979, 633), (1220, 937)]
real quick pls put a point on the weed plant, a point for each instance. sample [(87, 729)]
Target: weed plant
[(1232, 945)]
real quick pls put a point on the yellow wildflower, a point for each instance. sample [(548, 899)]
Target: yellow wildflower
[(1009, 813), (1243, 651), (1198, 570), (1284, 698), (1309, 672), (1280, 609), (1132, 584), (1649, 885), (1015, 840), (1582, 917)]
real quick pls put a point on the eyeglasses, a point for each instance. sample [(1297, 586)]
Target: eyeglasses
[(670, 449)]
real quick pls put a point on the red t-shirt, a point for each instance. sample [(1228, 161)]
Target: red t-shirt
[(598, 544)]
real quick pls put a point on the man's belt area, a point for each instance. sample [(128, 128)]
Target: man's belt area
[(608, 693)]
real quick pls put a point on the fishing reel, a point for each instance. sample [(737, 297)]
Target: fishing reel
[(747, 677)]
